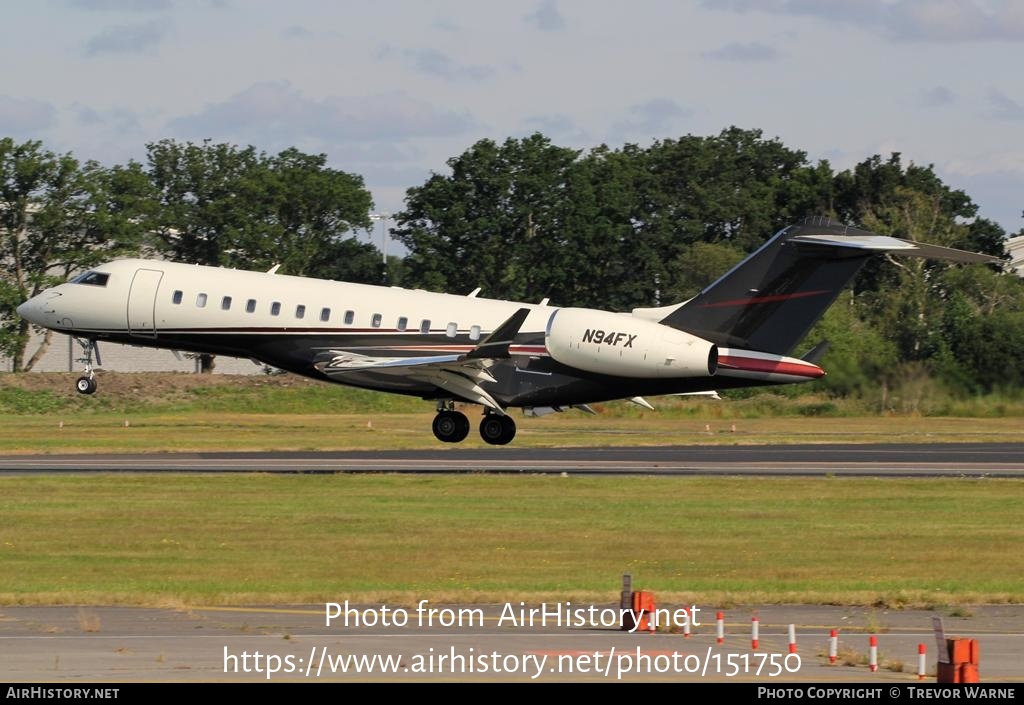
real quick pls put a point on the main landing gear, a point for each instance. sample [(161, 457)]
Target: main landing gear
[(86, 384), (451, 426), (497, 430)]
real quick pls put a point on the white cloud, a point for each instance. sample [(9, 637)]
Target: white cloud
[(445, 24), (656, 118), (1008, 161), (561, 128), (546, 17), (937, 96), (117, 120), (122, 5), (751, 51), (127, 39), (435, 63), (25, 116), (915, 20), (275, 113), (1004, 107), (296, 32)]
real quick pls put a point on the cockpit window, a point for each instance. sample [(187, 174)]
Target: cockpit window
[(91, 278)]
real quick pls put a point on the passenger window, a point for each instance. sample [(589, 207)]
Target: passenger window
[(176, 299), (350, 316), (225, 303), (474, 332), (377, 318), (453, 328), (250, 306), (275, 308), (425, 326), (403, 323), (201, 300), (300, 311), (325, 314)]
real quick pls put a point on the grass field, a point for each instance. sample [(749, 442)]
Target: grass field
[(194, 431), (185, 412), (242, 539)]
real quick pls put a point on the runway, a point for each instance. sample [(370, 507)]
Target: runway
[(846, 460), (296, 643)]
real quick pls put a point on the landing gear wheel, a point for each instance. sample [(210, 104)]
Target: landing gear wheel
[(497, 430), (450, 426), (85, 385)]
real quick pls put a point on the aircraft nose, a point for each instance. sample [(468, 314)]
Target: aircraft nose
[(32, 310)]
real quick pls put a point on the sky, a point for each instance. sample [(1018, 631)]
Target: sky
[(392, 89)]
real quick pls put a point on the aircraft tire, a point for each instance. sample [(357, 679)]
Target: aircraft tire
[(497, 430), (85, 385), (450, 426)]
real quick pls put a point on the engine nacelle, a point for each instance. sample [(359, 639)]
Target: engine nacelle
[(622, 345)]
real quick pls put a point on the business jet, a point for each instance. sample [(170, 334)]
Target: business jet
[(738, 332)]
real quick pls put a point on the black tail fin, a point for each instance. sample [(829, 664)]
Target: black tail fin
[(771, 299)]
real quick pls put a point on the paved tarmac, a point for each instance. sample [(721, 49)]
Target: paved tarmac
[(852, 460), (490, 643)]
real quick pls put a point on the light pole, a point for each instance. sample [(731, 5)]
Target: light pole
[(383, 218)]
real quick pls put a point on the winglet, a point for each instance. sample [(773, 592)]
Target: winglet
[(496, 344)]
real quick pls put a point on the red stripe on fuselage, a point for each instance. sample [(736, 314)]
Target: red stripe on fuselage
[(753, 364), (766, 299)]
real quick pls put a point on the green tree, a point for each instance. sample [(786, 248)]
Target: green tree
[(860, 360), (499, 215), (697, 266), (58, 216), (222, 205), (735, 187), (308, 213), (535, 220), (982, 325)]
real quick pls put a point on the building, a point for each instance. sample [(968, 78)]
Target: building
[(63, 354), (1015, 248)]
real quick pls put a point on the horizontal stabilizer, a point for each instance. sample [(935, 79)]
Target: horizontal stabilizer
[(894, 245)]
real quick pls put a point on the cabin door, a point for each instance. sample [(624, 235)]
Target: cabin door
[(142, 302)]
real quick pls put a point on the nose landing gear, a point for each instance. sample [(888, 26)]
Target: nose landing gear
[(86, 384)]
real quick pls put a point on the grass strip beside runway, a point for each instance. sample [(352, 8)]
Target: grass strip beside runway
[(196, 431), (258, 539)]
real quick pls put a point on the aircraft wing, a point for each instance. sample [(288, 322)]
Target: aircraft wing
[(460, 374)]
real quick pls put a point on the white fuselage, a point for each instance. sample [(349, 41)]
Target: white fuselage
[(296, 323)]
